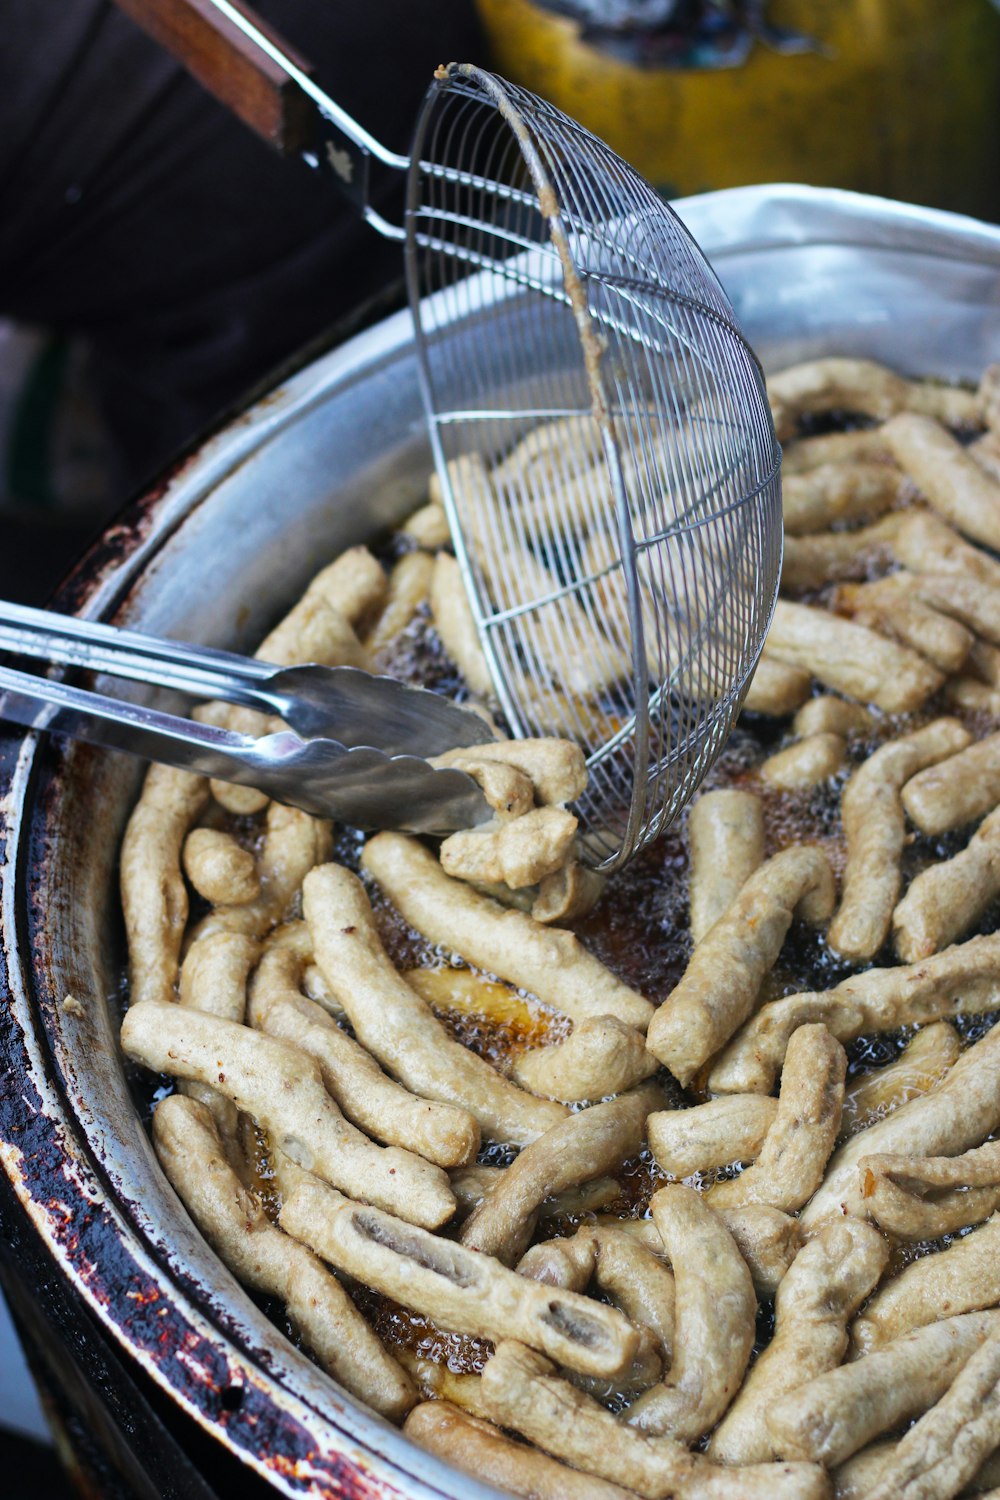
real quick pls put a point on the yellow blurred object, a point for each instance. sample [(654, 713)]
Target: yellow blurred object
[(902, 98)]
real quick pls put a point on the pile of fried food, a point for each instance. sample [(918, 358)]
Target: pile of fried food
[(343, 1151)]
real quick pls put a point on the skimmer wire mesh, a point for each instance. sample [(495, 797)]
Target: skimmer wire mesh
[(603, 444)]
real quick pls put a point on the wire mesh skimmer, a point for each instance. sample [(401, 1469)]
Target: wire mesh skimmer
[(602, 440)]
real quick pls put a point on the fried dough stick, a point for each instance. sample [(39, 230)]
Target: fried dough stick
[(261, 1256), (850, 659), (923, 1198), (810, 562), (555, 768), (951, 1441), (516, 853), (806, 763), (398, 1028), (409, 589), (726, 843), (219, 868), (971, 601), (472, 1184), (548, 962), (776, 689), (923, 1062), (319, 628), (714, 1320), (293, 843), (863, 385), (154, 896), (795, 1151), (854, 490), (829, 715), (482, 1450), (523, 1392), (717, 990), (584, 1145), (825, 1285), (767, 1239), (957, 1114), (456, 625), (948, 898), (601, 1056), (462, 1291), (926, 544), (875, 829), (634, 1277), (962, 980), (961, 790), (733, 1128), (214, 980), (837, 1413), (907, 607), (962, 1278), (441, 1133), (863, 446), (428, 526), (281, 1087), (953, 482)]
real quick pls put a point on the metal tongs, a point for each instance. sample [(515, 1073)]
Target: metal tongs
[(354, 747)]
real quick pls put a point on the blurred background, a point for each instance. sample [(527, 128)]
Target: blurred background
[(158, 265)]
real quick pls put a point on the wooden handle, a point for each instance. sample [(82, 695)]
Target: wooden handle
[(232, 67)]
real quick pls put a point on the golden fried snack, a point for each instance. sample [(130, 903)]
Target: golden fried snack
[(517, 853), (219, 868), (986, 451), (154, 896), (960, 791), (571, 892), (441, 1133), (958, 1113), (552, 453), (456, 624), (850, 659), (975, 603), (461, 1290), (726, 845), (853, 1479), (482, 1450), (923, 1062), (428, 526), (767, 1239), (984, 662), (293, 843), (875, 829), (904, 605), (795, 1151), (714, 1319), (926, 544), (865, 445), (948, 898), (601, 1056), (951, 1441), (281, 1087), (956, 486), (833, 556), (854, 490), (556, 768), (257, 1252), (962, 1278), (584, 1145), (963, 980), (392, 1022), (523, 1392), (631, 1275), (829, 715), (825, 1285), (776, 689), (730, 1129), (806, 763), (409, 589), (471, 1185), (837, 1413), (972, 694), (862, 385), (923, 1198), (214, 980), (722, 979), (548, 962)]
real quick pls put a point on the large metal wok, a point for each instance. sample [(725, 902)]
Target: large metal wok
[(155, 1332)]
